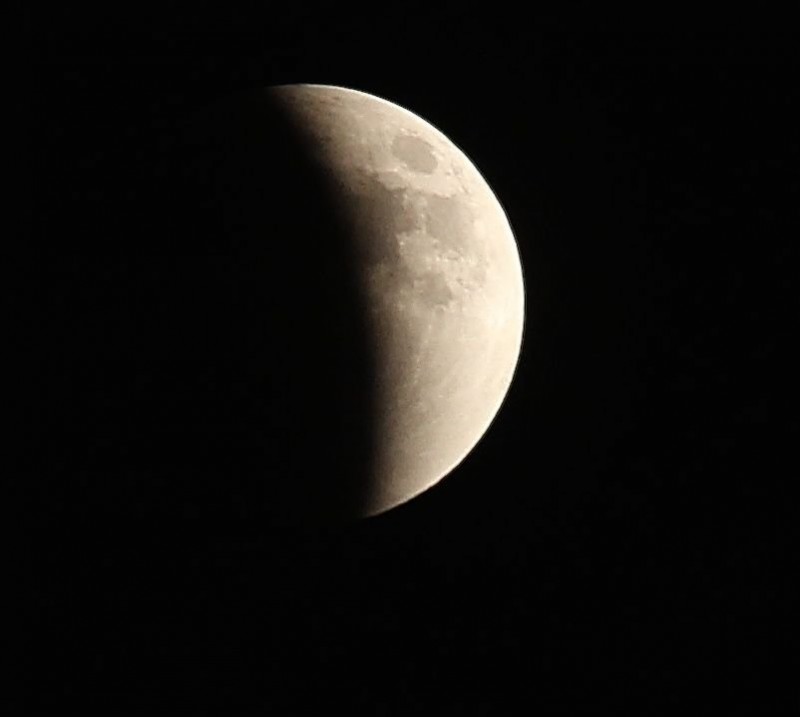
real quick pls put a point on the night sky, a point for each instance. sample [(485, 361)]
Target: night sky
[(620, 538)]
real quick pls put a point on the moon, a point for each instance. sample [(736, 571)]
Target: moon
[(440, 274)]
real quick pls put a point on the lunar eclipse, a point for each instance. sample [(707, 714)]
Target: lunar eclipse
[(439, 276)]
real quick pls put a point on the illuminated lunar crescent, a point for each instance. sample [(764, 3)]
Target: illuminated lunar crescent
[(440, 272)]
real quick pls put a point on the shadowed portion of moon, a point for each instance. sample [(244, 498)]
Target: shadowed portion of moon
[(437, 270), (202, 402), (217, 364)]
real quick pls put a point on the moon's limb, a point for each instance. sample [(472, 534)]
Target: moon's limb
[(441, 274)]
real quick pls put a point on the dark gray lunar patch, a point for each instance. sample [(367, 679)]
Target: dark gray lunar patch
[(379, 215), (446, 219), (415, 153), (434, 290)]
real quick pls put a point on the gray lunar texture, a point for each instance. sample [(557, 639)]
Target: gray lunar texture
[(441, 274)]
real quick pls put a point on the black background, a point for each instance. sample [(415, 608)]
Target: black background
[(619, 538)]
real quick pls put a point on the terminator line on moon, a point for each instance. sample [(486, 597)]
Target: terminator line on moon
[(439, 267)]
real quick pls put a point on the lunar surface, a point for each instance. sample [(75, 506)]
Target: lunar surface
[(440, 274)]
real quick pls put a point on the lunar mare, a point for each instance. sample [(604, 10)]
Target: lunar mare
[(440, 272)]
